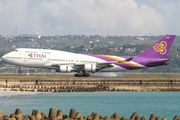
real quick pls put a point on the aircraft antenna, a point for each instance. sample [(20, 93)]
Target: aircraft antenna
[(108, 31), (16, 31)]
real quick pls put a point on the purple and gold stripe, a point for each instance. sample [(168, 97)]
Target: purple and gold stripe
[(126, 64)]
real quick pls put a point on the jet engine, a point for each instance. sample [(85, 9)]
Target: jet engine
[(90, 67), (64, 69)]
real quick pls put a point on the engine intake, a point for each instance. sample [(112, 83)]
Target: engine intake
[(64, 69), (90, 67)]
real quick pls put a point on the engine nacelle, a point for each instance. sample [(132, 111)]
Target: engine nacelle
[(90, 67), (64, 69)]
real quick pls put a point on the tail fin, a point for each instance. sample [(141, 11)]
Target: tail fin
[(160, 48)]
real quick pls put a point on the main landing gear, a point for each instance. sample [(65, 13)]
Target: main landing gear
[(19, 71), (82, 75)]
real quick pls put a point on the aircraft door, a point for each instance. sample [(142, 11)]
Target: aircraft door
[(47, 60), (76, 60), (24, 58), (20, 52), (23, 55)]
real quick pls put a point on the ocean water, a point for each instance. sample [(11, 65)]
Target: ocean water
[(163, 104)]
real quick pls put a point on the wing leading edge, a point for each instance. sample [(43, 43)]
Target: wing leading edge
[(82, 64)]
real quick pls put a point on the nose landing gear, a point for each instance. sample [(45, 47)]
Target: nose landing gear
[(19, 71)]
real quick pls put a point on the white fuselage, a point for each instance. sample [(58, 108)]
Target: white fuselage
[(42, 58)]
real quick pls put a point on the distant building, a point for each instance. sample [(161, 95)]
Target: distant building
[(123, 36), (111, 43), (130, 50), (57, 37), (117, 49), (141, 38), (142, 51), (103, 37), (37, 35), (6, 36), (91, 42), (96, 36)]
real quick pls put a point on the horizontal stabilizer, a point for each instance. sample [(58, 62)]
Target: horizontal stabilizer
[(157, 62)]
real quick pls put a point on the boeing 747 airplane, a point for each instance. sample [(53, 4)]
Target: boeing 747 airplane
[(84, 64)]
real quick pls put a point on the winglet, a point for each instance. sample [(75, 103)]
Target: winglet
[(160, 48)]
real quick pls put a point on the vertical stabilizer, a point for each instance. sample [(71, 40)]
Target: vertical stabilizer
[(160, 48)]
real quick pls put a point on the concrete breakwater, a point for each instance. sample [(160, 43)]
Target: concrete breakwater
[(89, 85), (73, 115)]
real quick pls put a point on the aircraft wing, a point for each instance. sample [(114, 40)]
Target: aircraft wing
[(82, 64), (100, 65), (79, 66)]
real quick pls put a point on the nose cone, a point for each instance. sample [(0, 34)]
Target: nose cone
[(4, 57)]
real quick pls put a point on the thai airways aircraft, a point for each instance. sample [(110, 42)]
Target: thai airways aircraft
[(84, 64)]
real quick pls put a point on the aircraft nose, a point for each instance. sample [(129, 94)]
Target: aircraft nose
[(3, 57)]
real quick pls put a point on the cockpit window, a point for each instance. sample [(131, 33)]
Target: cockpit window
[(15, 50)]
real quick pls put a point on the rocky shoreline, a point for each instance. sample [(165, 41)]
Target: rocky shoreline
[(95, 88), (90, 85), (73, 115)]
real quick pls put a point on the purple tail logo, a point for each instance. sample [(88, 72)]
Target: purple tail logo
[(161, 47)]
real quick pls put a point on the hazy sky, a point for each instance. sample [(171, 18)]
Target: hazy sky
[(90, 17)]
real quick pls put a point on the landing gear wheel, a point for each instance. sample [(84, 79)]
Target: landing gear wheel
[(19, 71), (82, 75), (76, 75), (86, 75)]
